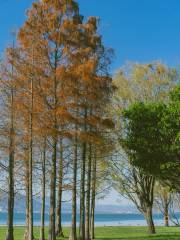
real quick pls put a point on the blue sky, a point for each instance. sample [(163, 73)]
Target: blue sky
[(138, 30)]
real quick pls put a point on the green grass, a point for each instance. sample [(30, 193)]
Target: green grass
[(108, 233)]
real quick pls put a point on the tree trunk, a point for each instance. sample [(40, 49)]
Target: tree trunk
[(73, 235), (82, 194), (52, 216), (30, 194), (59, 232), (42, 229), (150, 222), (88, 196), (10, 233), (26, 234), (93, 186), (166, 214), (30, 237), (82, 188), (10, 230)]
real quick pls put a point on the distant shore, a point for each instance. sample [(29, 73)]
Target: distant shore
[(101, 219)]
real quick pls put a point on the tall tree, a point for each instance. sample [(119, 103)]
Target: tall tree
[(52, 24), (8, 76), (63, 90)]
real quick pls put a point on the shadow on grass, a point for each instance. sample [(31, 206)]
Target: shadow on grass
[(154, 237), (168, 236)]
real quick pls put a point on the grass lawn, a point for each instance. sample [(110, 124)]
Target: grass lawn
[(107, 233)]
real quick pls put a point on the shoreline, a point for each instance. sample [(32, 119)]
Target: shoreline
[(100, 224)]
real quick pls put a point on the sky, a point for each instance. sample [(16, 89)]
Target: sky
[(137, 30)]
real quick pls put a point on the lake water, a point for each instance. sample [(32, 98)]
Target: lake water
[(100, 219)]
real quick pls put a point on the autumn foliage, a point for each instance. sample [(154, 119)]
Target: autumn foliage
[(61, 87)]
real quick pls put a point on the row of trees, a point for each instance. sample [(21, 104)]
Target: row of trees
[(55, 87), (147, 113), (65, 125)]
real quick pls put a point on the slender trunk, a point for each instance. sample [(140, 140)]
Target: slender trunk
[(82, 194), (59, 232), (26, 234), (73, 235), (93, 198), (10, 232), (82, 188), (31, 166), (92, 235), (42, 229), (52, 213), (149, 219), (52, 216), (30, 195), (88, 196), (166, 214)]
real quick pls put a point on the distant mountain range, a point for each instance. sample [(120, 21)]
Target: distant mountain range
[(20, 203), (20, 206)]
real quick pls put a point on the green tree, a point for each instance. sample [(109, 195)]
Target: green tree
[(152, 138)]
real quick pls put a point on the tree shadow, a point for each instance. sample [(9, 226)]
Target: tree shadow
[(154, 237)]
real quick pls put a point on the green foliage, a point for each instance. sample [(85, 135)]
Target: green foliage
[(175, 94), (143, 139), (152, 137)]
